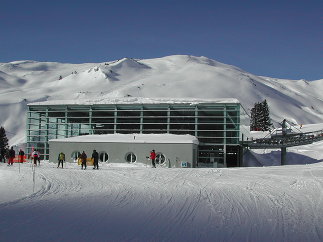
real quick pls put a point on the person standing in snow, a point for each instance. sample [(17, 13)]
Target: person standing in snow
[(95, 157), (83, 157), (11, 156), (153, 157), (21, 156), (61, 159), (36, 157)]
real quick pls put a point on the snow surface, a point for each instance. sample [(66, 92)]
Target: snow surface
[(135, 100), (132, 138), (138, 203)]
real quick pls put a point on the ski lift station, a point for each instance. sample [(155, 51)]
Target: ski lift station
[(183, 132), (171, 150)]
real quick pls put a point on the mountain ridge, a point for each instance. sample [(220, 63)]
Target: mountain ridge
[(180, 76)]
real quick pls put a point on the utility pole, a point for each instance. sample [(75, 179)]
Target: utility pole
[(283, 150)]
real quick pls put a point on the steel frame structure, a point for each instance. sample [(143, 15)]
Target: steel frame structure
[(216, 125)]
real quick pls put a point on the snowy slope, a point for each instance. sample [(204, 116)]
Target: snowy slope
[(22, 82), (142, 204), (136, 203)]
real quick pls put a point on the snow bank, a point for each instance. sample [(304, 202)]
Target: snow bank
[(135, 100)]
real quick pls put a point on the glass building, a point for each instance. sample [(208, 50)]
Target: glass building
[(218, 123)]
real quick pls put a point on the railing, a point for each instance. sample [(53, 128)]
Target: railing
[(289, 140)]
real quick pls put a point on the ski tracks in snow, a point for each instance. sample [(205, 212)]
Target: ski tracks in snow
[(246, 204)]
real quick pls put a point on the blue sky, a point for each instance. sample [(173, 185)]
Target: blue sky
[(282, 39)]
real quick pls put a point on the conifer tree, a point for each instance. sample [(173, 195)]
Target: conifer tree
[(3, 139), (252, 119), (260, 119), (266, 116)]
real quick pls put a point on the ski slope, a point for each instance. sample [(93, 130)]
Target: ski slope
[(180, 76), (138, 203)]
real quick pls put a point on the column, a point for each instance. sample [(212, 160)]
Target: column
[(225, 136), (141, 119), (115, 120), (90, 121)]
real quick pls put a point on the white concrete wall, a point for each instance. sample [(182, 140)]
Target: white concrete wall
[(175, 153)]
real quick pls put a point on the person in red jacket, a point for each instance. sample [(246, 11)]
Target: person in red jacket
[(153, 157)]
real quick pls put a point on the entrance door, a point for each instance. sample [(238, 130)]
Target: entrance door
[(232, 156)]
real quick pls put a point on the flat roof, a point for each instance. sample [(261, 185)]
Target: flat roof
[(132, 138), (135, 100)]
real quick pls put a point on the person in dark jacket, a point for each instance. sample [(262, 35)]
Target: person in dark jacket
[(153, 157), (83, 158), (95, 157), (21, 156), (61, 159), (11, 156)]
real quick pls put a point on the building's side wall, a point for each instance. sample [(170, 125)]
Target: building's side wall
[(174, 153)]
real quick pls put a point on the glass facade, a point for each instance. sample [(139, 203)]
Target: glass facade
[(218, 126)]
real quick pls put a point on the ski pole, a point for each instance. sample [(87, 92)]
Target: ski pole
[(34, 180)]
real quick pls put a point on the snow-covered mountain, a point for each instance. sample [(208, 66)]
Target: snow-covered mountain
[(23, 82)]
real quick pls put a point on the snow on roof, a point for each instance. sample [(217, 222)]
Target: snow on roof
[(132, 138), (136, 100)]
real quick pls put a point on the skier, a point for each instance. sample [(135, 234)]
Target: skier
[(11, 156), (21, 156), (36, 157), (95, 157), (83, 157), (153, 157), (61, 159)]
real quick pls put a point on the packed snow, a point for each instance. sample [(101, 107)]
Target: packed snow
[(139, 203)]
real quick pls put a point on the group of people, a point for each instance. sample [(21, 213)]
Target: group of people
[(83, 159), (11, 155), (35, 156), (95, 158)]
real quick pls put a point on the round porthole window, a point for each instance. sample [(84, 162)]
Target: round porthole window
[(103, 156), (75, 155), (160, 159), (131, 157)]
